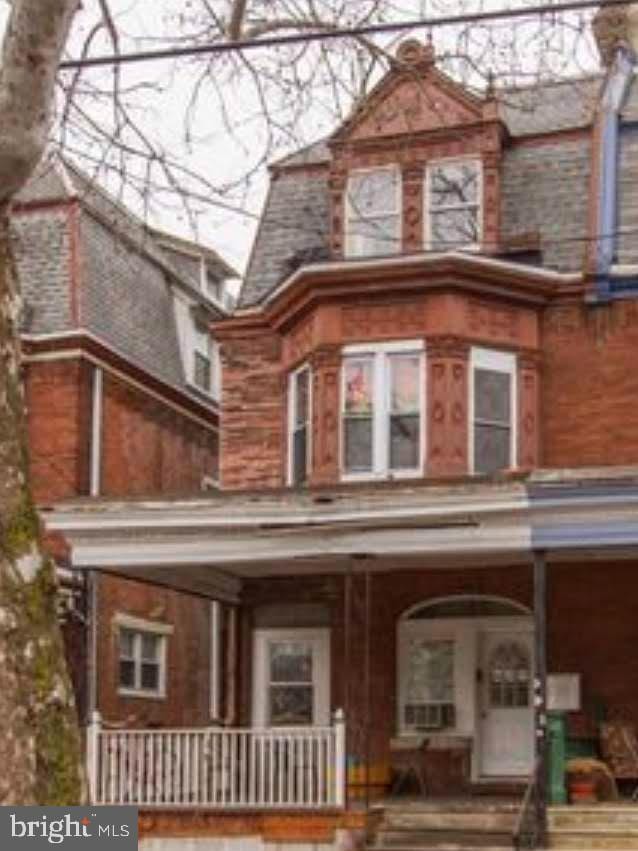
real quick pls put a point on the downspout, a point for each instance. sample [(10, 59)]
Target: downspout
[(93, 576), (616, 88)]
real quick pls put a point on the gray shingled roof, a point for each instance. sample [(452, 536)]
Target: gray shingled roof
[(293, 230), (127, 280), (294, 223)]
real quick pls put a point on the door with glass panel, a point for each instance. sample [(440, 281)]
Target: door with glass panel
[(291, 678), (506, 703)]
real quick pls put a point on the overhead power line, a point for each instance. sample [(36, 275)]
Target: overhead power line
[(220, 47)]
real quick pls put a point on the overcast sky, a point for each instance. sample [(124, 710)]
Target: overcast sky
[(210, 150)]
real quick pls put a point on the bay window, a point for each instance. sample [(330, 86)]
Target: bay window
[(382, 410), (373, 213), (453, 205), (299, 425), (493, 405)]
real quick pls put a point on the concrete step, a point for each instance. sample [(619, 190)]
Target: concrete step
[(441, 838), (443, 847), (479, 820), (601, 816), (615, 836)]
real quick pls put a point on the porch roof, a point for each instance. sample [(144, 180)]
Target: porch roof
[(208, 544)]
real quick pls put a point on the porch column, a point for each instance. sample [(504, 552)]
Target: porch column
[(540, 686)]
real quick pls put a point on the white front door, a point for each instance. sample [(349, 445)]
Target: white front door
[(506, 709), (291, 677)]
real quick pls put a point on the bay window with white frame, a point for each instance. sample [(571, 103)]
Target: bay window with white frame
[(453, 205), (493, 405), (299, 425), (382, 414), (373, 213)]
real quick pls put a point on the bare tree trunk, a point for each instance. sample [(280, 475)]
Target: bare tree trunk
[(39, 735)]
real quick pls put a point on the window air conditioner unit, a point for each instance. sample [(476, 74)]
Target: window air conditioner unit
[(429, 716)]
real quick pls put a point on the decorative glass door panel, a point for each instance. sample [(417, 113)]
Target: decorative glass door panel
[(505, 703)]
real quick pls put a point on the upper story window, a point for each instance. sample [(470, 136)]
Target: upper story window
[(373, 213), (212, 287), (492, 411), (141, 656), (453, 205), (299, 404), (382, 410), (200, 353)]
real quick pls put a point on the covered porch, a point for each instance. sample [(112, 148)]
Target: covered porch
[(394, 640)]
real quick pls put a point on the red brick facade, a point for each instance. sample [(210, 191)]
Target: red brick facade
[(592, 620), (188, 655)]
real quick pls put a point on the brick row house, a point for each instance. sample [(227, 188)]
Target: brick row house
[(122, 385), (428, 474)]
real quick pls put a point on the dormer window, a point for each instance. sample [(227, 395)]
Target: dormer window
[(210, 286), (453, 205), (200, 353), (373, 213)]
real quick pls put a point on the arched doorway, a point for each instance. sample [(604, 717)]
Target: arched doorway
[(465, 669)]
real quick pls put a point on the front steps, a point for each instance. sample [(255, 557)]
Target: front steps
[(437, 825), (610, 826)]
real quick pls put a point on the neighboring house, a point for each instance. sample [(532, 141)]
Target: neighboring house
[(428, 465), (122, 381)]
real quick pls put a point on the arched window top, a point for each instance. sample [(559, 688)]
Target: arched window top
[(464, 606)]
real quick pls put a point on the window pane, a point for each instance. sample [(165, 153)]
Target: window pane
[(290, 705), (127, 643), (150, 676), (150, 647), (454, 184), (404, 442), (358, 387), (127, 673), (374, 236), (404, 384), (301, 397), (299, 456), (492, 396), (373, 192), (290, 662), (358, 445), (202, 371), (454, 228), (491, 448), (430, 672)]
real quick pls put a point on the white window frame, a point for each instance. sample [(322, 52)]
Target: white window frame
[(474, 246), (141, 626), (347, 208), (320, 640), (292, 403), (190, 342), (497, 361), (381, 409)]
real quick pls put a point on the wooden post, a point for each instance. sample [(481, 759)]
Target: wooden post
[(340, 758), (540, 687), (347, 604), (92, 755), (367, 684)]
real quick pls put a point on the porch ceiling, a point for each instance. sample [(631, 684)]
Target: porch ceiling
[(210, 545)]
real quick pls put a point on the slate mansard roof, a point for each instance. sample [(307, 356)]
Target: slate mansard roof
[(545, 188), (115, 280)]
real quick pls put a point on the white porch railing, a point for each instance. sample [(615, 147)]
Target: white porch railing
[(291, 768)]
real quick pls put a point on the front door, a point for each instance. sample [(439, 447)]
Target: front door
[(506, 709)]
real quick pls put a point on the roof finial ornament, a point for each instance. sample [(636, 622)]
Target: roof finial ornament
[(416, 54)]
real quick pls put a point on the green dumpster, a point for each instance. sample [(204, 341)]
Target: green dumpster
[(557, 756)]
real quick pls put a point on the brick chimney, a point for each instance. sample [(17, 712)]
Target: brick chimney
[(614, 27)]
